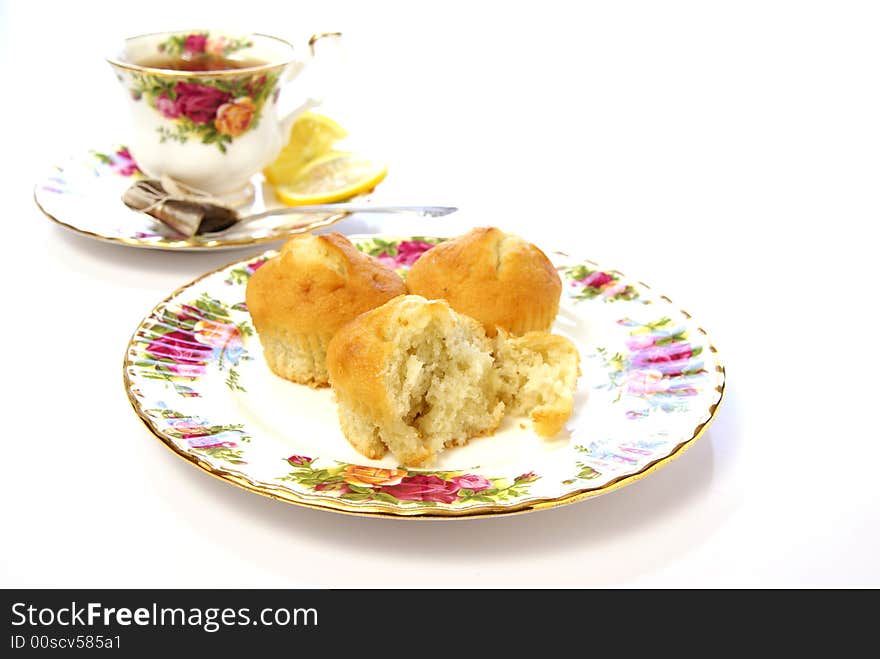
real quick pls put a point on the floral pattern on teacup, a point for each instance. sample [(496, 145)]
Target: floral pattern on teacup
[(197, 43), (213, 111)]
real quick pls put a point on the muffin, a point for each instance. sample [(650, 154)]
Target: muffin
[(538, 373), (495, 277), (302, 296), (414, 377)]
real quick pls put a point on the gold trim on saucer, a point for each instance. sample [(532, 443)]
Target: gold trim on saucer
[(340, 506), (189, 244)]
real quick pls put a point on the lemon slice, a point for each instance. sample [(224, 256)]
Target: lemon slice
[(311, 136), (332, 177)]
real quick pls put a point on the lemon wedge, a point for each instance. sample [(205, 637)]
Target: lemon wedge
[(332, 177), (311, 136)]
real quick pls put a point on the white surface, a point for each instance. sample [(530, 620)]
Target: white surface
[(726, 153)]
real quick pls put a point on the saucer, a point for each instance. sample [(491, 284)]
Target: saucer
[(83, 193)]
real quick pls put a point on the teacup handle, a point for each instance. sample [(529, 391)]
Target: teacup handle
[(315, 38), (314, 95)]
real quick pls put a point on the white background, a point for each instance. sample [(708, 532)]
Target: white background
[(728, 153)]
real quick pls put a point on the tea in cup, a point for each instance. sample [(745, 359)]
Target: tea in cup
[(205, 105)]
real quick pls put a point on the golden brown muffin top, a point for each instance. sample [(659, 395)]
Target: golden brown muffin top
[(316, 284), (490, 275)]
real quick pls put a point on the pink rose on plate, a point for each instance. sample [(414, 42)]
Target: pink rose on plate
[(387, 261), (645, 382), (640, 342), (671, 352), (299, 460), (188, 356), (424, 488), (597, 279), (195, 43), (614, 289), (254, 266), (199, 103), (219, 335), (409, 251), (472, 482)]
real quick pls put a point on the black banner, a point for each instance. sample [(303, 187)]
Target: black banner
[(128, 622)]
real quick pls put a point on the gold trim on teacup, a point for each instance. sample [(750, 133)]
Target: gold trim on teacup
[(171, 73), (280, 493)]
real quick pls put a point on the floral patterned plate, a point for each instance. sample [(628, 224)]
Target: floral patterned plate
[(84, 194), (651, 383)]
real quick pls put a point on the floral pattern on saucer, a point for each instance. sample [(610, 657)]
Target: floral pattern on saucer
[(120, 162), (84, 194), (194, 373)]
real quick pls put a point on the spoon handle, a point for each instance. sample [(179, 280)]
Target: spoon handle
[(347, 209)]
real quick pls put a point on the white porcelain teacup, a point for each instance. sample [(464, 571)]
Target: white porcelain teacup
[(210, 129)]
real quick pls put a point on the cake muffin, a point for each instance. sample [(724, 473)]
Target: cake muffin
[(538, 373), (414, 377), (301, 297), (497, 278)]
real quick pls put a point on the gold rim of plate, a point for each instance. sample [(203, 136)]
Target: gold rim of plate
[(340, 506)]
